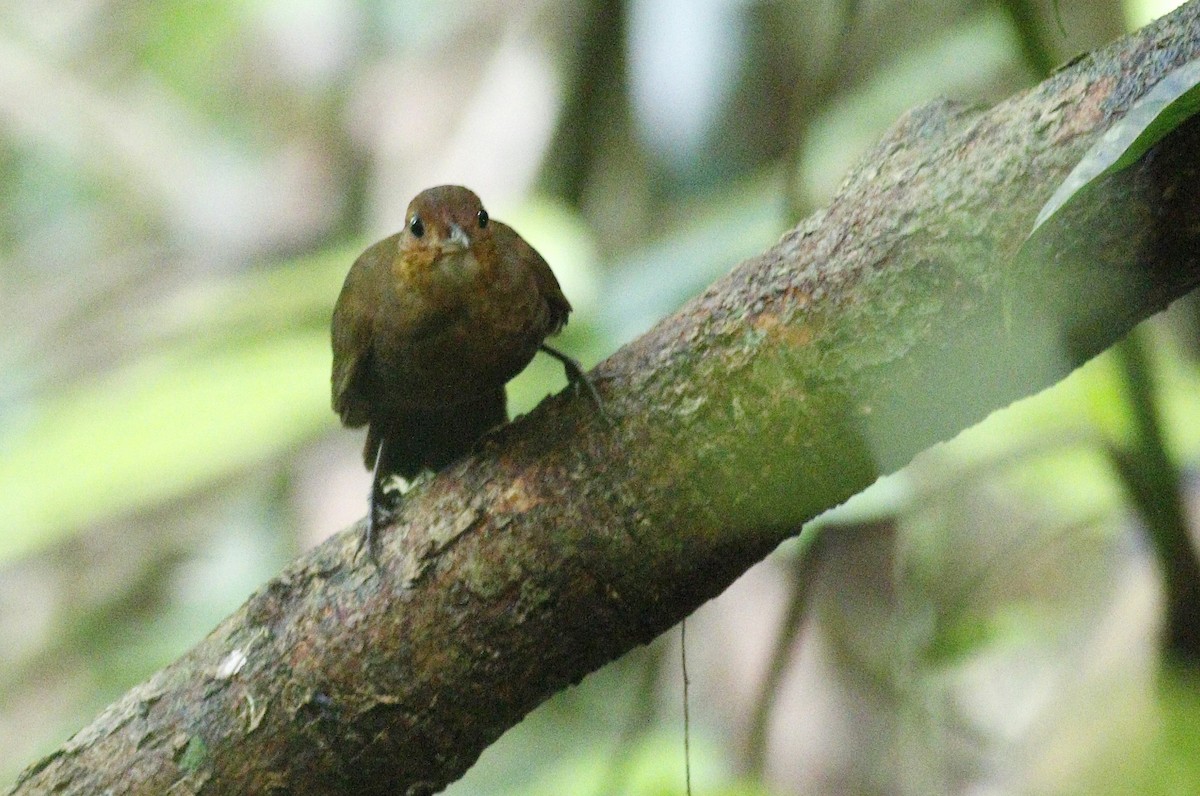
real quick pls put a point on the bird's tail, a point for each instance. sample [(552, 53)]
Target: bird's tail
[(431, 439)]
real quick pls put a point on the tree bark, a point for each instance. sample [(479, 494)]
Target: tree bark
[(886, 322)]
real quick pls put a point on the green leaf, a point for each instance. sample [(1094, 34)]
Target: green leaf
[(1172, 101), (158, 429)]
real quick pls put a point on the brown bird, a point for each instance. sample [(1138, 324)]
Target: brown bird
[(430, 325)]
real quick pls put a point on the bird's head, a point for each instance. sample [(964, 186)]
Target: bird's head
[(445, 219)]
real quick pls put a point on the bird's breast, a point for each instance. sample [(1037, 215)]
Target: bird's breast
[(460, 331)]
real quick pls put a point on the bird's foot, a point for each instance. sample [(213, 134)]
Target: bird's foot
[(381, 508)]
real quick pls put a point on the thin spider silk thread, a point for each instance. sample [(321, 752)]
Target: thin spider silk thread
[(687, 746)]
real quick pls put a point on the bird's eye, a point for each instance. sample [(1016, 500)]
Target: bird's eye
[(483, 219), (416, 226)]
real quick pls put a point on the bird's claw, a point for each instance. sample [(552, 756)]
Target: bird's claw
[(380, 510)]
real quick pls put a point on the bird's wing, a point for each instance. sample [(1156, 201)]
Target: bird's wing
[(353, 329), (508, 240)]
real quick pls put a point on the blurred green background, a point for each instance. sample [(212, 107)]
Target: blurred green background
[(185, 184)]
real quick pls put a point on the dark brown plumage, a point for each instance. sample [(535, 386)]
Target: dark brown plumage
[(430, 325)]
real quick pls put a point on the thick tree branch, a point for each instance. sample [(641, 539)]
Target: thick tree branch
[(885, 323)]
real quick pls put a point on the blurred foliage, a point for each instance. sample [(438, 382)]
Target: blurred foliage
[(183, 187), (228, 410)]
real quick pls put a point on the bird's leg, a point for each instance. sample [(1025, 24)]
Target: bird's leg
[(376, 505), (576, 376)]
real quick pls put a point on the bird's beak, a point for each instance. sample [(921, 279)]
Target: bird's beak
[(457, 239)]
